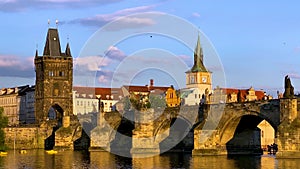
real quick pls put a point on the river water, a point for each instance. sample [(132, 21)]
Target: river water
[(39, 159)]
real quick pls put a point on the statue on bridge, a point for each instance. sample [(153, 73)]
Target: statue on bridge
[(288, 88)]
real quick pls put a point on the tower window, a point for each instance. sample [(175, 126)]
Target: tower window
[(61, 73), (51, 73), (192, 79)]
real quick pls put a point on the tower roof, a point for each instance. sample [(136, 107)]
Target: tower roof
[(198, 58), (68, 51), (52, 46)]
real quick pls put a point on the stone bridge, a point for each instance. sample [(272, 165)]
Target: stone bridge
[(205, 130)]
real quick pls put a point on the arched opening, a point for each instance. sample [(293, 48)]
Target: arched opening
[(122, 142), (267, 134), (246, 139), (54, 118), (180, 139)]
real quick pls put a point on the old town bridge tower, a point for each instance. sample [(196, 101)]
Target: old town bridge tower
[(54, 77)]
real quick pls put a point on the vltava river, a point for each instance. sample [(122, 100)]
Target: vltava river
[(38, 159)]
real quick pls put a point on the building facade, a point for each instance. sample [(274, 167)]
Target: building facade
[(14, 104)]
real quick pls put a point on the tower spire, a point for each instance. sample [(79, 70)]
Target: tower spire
[(198, 58)]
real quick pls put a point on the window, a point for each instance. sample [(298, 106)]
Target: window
[(195, 96), (51, 73), (192, 80), (61, 73)]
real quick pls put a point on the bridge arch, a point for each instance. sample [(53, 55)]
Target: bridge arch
[(165, 124), (229, 128), (55, 113), (175, 134)]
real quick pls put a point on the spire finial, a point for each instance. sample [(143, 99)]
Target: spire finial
[(48, 23), (36, 51), (56, 22)]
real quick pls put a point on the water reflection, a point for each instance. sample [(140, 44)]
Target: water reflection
[(37, 159)]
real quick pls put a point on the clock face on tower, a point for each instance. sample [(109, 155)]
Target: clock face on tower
[(204, 79)]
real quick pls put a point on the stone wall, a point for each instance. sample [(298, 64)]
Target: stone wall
[(24, 137)]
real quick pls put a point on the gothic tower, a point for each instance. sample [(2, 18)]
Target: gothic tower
[(54, 77), (199, 77)]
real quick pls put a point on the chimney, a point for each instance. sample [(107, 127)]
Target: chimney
[(151, 82)]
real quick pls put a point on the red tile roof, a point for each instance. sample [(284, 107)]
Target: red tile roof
[(243, 93), (104, 92)]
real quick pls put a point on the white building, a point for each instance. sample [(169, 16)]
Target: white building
[(86, 99), (191, 96)]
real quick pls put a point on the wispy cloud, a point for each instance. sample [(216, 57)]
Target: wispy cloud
[(104, 77), (196, 15), (123, 22), (114, 53), (294, 75), (91, 63), (187, 60), (11, 65), (22, 5)]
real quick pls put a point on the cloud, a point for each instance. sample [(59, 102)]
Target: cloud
[(294, 75), (22, 5), (114, 53), (123, 22), (186, 59), (11, 65), (196, 15), (91, 63), (104, 77)]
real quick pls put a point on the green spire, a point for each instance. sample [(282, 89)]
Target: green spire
[(198, 58)]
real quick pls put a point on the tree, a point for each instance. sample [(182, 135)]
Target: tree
[(157, 101), (3, 124)]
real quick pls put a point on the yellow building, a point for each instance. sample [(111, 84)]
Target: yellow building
[(172, 99)]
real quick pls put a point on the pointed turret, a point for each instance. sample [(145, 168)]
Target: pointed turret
[(68, 51), (198, 58), (52, 46), (36, 53)]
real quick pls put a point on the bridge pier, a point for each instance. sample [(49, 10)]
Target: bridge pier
[(66, 135), (288, 134), (101, 135), (143, 139), (206, 142)]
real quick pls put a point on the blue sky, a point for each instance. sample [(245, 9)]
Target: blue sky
[(258, 42)]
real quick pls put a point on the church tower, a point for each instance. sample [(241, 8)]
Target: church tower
[(54, 78), (199, 77)]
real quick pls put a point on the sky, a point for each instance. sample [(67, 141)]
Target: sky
[(116, 42)]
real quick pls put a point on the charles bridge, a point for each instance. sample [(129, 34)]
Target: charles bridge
[(208, 129)]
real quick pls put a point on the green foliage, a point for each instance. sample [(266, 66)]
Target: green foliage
[(3, 123), (3, 119), (126, 103), (157, 101)]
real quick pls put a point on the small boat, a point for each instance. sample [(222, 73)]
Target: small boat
[(51, 152), (3, 153), (23, 151)]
